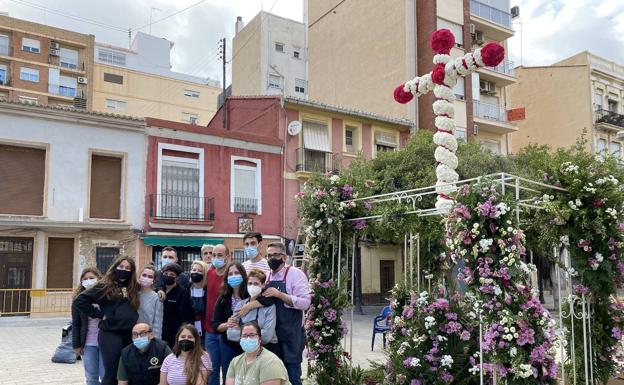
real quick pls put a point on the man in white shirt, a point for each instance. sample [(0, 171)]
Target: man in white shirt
[(255, 259)]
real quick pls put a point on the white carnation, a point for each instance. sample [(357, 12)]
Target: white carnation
[(445, 123), (445, 139), (446, 174), (441, 107), (443, 92), (444, 156)]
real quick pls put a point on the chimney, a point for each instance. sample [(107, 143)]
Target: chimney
[(239, 24)]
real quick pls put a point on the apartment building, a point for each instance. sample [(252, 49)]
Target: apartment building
[(72, 196), (139, 82), (584, 91), (45, 65), (269, 57), (359, 51)]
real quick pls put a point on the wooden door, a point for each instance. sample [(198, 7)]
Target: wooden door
[(386, 279)]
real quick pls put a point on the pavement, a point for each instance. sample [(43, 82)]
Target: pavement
[(27, 346)]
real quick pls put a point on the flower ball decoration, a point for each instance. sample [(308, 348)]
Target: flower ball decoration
[(441, 81)]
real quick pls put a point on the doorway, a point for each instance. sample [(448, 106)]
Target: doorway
[(16, 256), (386, 279)]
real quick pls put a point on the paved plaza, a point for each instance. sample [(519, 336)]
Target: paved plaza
[(26, 346)]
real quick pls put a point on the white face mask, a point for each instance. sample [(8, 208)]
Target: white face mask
[(88, 283), (253, 290)]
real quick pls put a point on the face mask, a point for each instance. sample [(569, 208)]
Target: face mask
[(275, 263), (169, 280), (235, 280), (218, 262), (253, 290), (186, 345), (249, 345), (88, 283), (197, 277), (122, 275), (251, 251), (141, 343), (166, 261), (146, 282)]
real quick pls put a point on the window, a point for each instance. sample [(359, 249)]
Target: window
[(3, 75), (245, 185), (598, 99), (385, 142), (190, 118), (300, 86), (351, 139), (459, 89), (29, 74), (111, 57), (106, 183), (493, 146), (456, 29), (615, 149), (112, 78), (4, 45), (104, 257), (23, 178), (116, 105), (68, 86), (275, 81), (315, 156), (31, 45), (28, 99), (191, 94), (461, 134), (60, 263), (602, 148), (612, 105), (279, 47), (297, 53), (180, 184), (69, 58), (239, 255)]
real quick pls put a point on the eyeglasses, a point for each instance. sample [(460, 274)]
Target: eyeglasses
[(275, 255), (254, 335), (141, 334)]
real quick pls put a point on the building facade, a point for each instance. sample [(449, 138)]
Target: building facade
[(139, 82), (597, 85), (359, 51), (72, 196), (45, 65), (269, 57)]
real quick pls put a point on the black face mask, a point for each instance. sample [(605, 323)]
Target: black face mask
[(275, 263), (197, 277), (169, 280), (186, 345), (122, 275)]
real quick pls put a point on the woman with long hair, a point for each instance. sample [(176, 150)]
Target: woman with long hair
[(117, 300), (197, 293), (85, 330), (233, 294), (150, 305), (189, 364)]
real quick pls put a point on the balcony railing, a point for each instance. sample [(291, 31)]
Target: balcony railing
[(245, 205), (610, 117), (506, 67), (62, 90), (315, 161), (181, 207), (490, 13), (488, 111)]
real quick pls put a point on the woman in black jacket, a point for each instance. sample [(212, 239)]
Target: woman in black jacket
[(85, 330), (117, 300)]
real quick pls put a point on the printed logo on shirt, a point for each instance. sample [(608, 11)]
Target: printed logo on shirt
[(154, 361)]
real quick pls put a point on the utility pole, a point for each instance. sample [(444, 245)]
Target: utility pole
[(222, 57)]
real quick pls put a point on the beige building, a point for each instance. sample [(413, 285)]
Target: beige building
[(139, 82), (584, 91), (45, 65), (359, 51)]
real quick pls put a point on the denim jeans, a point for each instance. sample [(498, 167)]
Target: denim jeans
[(294, 372), (214, 351), (227, 354), (93, 365)]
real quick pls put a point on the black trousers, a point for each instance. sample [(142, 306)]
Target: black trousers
[(110, 344)]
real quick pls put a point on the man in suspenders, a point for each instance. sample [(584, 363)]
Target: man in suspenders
[(288, 288)]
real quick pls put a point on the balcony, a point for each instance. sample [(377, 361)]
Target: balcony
[(493, 22), (245, 205), (181, 212), (315, 161), (609, 120), (503, 74), (491, 118), (67, 92)]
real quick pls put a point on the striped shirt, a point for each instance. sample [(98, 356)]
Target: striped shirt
[(174, 367), (261, 265)]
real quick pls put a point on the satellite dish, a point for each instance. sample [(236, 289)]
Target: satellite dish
[(294, 127)]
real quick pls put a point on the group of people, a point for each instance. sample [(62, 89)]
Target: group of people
[(223, 322)]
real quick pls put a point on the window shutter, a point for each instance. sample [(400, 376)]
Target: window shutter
[(315, 136), (22, 172), (105, 200), (60, 263)]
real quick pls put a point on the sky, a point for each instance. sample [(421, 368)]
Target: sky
[(547, 30)]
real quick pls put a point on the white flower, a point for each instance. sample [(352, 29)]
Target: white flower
[(599, 257), (429, 322), (318, 223), (474, 370), (334, 179), (501, 209), (565, 240), (513, 351), (572, 205), (525, 371), (446, 360), (329, 221), (485, 244)]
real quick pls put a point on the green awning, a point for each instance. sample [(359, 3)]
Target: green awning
[(181, 242)]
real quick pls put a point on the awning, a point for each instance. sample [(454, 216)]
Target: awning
[(181, 242), (315, 136)]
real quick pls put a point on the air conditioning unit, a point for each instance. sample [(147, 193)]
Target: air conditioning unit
[(83, 80), (473, 29), (54, 45), (478, 38), (55, 52), (515, 12), (475, 129), (486, 87)]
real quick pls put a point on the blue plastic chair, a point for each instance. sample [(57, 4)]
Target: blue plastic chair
[(381, 324)]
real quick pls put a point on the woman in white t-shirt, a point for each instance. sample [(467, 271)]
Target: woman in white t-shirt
[(189, 364)]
